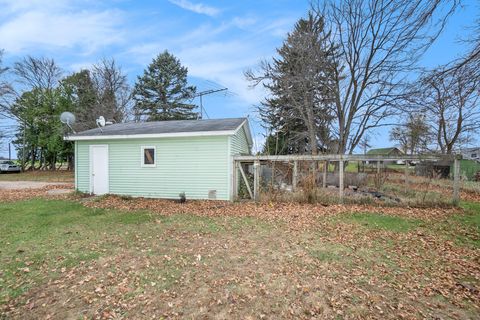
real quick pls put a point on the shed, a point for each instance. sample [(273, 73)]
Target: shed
[(161, 159)]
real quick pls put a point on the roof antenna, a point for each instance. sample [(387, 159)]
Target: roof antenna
[(101, 122)]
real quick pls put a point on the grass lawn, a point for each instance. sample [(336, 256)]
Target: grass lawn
[(47, 176), (61, 259)]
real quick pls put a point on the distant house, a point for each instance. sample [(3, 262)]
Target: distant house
[(161, 159), (392, 151), (471, 153)]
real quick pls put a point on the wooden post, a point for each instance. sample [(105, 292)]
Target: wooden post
[(234, 181), (406, 176), (325, 171), (273, 174), (256, 180), (456, 181), (245, 180), (340, 177), (378, 166), (295, 175)]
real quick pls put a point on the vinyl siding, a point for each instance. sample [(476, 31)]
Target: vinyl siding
[(82, 162), (193, 165), (239, 143)]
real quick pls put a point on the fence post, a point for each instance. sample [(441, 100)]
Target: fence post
[(256, 180), (325, 171), (378, 166), (406, 175), (340, 177), (234, 181), (456, 180), (295, 175)]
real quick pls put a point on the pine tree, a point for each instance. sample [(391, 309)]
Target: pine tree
[(81, 97), (300, 83), (162, 93)]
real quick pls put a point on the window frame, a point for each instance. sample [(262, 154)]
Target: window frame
[(142, 158)]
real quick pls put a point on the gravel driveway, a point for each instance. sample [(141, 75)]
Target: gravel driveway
[(14, 185)]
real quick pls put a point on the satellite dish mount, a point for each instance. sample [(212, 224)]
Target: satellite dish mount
[(68, 118), (101, 122)]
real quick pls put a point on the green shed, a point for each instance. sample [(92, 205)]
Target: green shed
[(161, 159)]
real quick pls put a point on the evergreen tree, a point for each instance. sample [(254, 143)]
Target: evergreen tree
[(300, 82), (162, 93), (81, 97)]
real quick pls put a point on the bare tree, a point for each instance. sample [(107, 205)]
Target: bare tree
[(379, 41), (38, 73), (364, 143), (412, 135), (6, 88), (450, 102), (472, 58), (113, 90)]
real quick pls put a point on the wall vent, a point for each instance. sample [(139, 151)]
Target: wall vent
[(212, 194)]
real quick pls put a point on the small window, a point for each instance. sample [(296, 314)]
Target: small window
[(474, 155), (148, 157)]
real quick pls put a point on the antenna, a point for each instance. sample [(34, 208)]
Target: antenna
[(204, 93), (68, 118)]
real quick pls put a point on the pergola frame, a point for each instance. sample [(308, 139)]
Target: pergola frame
[(327, 158)]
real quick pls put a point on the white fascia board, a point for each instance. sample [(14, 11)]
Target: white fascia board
[(152, 135), (247, 131)]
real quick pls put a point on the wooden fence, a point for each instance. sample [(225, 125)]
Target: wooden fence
[(238, 172)]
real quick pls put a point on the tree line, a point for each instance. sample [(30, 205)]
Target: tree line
[(346, 69), (349, 67), (41, 91)]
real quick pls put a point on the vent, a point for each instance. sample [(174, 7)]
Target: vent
[(212, 194)]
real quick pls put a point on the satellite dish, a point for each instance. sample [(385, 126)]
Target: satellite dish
[(101, 121), (67, 118)]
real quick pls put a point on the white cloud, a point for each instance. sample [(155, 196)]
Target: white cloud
[(243, 22), (55, 27), (199, 8)]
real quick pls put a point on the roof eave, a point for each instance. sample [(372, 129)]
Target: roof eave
[(151, 135)]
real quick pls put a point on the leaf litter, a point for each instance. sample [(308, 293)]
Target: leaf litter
[(309, 263)]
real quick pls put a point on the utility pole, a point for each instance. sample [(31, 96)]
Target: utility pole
[(204, 93), (24, 142)]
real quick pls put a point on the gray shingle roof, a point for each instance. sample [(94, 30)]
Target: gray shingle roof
[(158, 127)]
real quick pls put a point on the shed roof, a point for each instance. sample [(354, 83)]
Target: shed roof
[(383, 151), (171, 128)]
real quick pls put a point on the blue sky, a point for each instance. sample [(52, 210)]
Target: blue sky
[(216, 40)]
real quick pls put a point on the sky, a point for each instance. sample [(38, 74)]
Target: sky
[(216, 40)]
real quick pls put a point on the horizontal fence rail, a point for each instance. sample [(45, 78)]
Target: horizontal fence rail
[(347, 157), (341, 159)]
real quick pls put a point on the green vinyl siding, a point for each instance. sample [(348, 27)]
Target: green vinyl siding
[(194, 165), (82, 161), (239, 143)]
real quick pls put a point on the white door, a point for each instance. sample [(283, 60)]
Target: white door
[(99, 169)]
